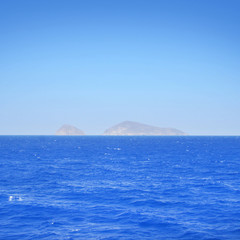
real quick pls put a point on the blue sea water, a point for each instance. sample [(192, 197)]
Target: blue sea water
[(103, 187)]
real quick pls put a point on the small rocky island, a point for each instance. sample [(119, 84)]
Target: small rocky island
[(69, 130), (135, 128)]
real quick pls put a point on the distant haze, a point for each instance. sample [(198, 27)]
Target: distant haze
[(93, 64), (126, 128)]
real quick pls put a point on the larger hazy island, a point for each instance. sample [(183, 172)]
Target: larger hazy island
[(135, 128)]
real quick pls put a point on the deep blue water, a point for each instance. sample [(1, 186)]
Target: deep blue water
[(119, 187)]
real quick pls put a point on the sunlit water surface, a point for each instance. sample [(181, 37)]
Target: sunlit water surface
[(119, 187)]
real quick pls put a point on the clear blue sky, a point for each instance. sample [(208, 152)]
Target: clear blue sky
[(96, 63)]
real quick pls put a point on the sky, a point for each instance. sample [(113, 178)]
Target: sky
[(93, 64)]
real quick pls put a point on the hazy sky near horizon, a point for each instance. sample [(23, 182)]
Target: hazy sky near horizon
[(94, 64)]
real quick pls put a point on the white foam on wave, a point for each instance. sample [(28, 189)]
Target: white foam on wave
[(12, 198)]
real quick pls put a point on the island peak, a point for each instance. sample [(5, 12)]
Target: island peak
[(69, 130)]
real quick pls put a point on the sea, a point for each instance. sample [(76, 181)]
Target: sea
[(119, 187)]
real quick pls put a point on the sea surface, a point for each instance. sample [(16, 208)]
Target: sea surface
[(104, 187)]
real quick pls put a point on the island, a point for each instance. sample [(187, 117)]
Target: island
[(69, 130), (134, 128)]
